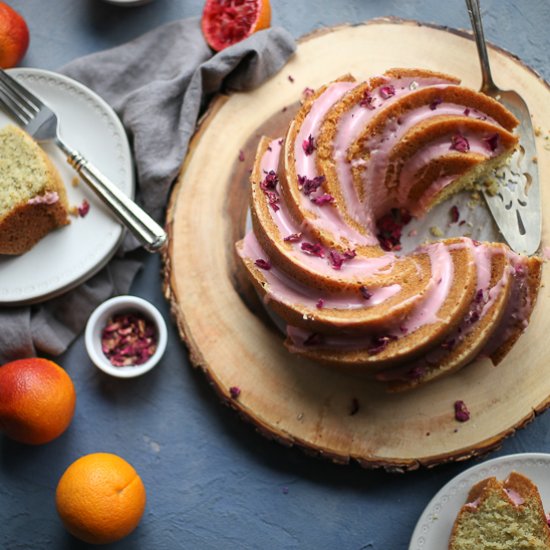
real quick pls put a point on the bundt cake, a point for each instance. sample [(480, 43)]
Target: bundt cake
[(33, 199), (502, 515), (328, 204)]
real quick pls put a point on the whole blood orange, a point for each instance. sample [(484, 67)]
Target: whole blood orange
[(226, 22), (14, 37), (37, 400), (100, 498)]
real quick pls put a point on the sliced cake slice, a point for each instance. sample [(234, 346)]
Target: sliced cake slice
[(502, 515), (429, 146), (345, 128), (33, 199)]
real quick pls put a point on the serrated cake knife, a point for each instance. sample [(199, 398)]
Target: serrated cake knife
[(515, 205)]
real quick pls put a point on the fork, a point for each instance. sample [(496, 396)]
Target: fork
[(42, 124), (516, 206)]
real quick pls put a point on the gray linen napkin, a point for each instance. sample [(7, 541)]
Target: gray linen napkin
[(158, 84)]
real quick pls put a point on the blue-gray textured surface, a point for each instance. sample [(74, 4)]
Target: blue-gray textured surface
[(212, 481)]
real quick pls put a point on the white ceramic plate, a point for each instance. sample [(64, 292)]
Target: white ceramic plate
[(434, 526), (70, 255)]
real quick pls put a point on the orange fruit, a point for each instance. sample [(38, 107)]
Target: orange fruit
[(14, 37), (100, 498), (226, 22), (37, 400)]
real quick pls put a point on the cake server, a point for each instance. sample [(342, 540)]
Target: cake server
[(42, 124), (516, 204)]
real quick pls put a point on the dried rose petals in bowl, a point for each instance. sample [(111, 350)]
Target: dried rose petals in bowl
[(126, 336)]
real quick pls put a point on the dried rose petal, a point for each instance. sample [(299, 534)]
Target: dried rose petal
[(416, 373), (459, 143), (380, 343), (234, 392), (313, 249), (320, 303), (308, 145), (84, 208), (462, 414), (437, 101), (337, 259), (323, 199), (128, 339), (241, 155), (308, 186), (290, 78), (293, 238), (263, 264), (473, 317), (272, 199), (367, 100), (449, 344), (390, 227), (308, 92), (454, 214), (467, 112), (387, 91), (367, 295), (270, 181), (314, 339), (492, 141)]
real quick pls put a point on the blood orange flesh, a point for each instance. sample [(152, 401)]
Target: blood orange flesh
[(226, 22)]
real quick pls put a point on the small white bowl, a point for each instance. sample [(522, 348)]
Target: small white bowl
[(97, 321)]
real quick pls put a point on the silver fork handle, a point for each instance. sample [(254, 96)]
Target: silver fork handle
[(474, 12), (147, 230)]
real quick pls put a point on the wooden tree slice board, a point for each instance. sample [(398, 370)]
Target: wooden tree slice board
[(232, 340)]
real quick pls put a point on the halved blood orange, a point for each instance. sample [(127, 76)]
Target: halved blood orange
[(226, 22)]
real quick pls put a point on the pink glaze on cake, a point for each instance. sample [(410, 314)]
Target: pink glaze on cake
[(473, 505), (425, 313), (358, 269), (282, 288), (50, 197), (514, 496), (437, 290), (325, 217), (350, 126)]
